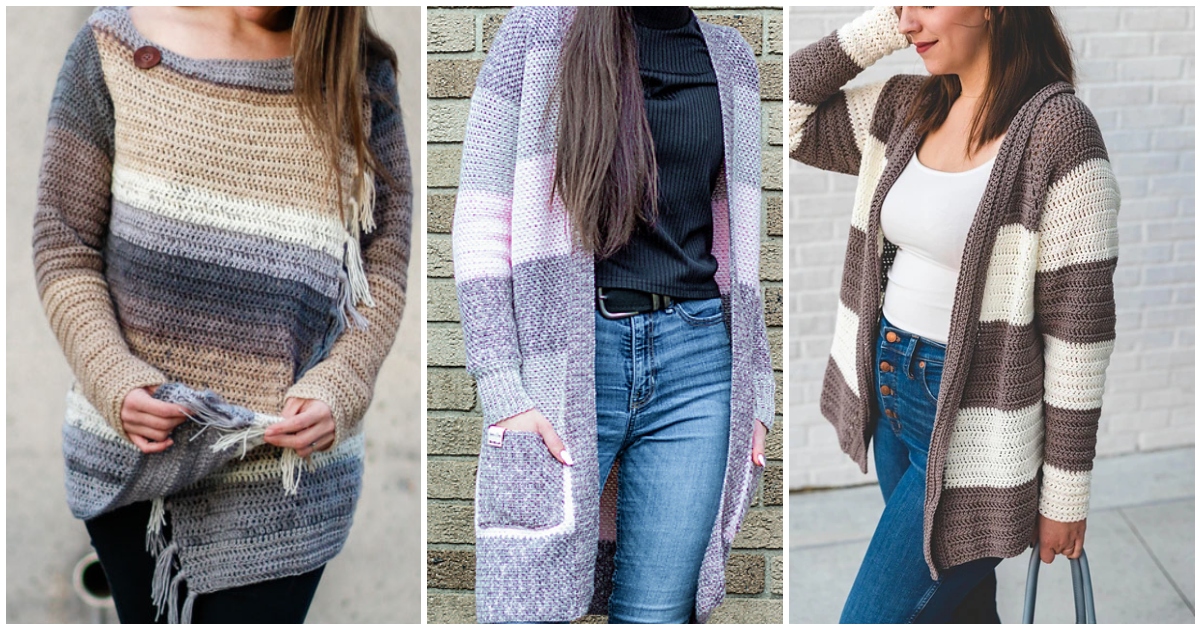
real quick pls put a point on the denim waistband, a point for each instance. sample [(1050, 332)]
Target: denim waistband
[(910, 344)]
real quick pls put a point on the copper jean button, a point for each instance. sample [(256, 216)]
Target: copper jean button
[(921, 364), (885, 366), (147, 57), (886, 390), (891, 337), (890, 413)]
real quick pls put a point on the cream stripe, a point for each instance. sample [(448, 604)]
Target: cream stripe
[(1074, 376), (1079, 221), (1009, 280), (871, 169), (870, 36), (798, 113), (861, 106), (260, 469), (1064, 496), (82, 415), (198, 206), (846, 331), (994, 448)]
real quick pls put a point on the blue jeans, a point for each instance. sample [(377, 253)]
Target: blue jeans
[(663, 407), (893, 584)]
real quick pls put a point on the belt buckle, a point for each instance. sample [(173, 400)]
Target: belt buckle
[(600, 305)]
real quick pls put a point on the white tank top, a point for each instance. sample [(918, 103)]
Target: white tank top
[(927, 214)]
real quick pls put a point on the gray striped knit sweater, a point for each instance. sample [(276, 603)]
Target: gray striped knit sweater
[(1032, 324), (526, 299), (188, 236)]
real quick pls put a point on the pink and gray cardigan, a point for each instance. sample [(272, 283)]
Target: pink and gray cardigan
[(526, 298), (1032, 325)]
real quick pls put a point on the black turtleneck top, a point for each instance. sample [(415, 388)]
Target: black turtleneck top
[(673, 257)]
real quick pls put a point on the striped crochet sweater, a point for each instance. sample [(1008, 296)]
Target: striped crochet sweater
[(187, 232), (526, 299), (1032, 324)]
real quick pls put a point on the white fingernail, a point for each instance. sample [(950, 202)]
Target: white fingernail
[(566, 457), (759, 458)]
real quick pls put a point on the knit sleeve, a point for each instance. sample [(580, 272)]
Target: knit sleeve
[(1074, 309), (70, 228), (482, 226), (829, 127), (345, 379)]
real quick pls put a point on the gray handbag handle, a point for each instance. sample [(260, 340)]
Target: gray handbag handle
[(1082, 588)]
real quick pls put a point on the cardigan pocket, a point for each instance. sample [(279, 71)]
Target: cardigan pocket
[(519, 486)]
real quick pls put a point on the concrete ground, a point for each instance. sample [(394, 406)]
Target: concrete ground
[(1140, 544), (377, 577)]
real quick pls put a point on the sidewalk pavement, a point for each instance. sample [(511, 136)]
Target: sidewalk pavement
[(1140, 545)]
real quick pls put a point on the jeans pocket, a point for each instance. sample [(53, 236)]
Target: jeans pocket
[(519, 484), (701, 312), (930, 374)]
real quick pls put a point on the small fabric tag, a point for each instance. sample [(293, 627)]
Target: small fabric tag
[(496, 436)]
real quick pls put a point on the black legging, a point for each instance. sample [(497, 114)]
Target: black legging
[(119, 538)]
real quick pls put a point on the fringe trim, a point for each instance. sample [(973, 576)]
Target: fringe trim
[(155, 540), (290, 464), (186, 614), (161, 581), (359, 289)]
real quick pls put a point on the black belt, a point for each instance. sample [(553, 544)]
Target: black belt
[(622, 303)]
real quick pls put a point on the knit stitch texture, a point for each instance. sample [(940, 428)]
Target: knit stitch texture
[(1032, 325), (526, 298), (188, 232)]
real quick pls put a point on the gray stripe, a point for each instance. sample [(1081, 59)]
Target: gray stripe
[(1075, 303), (1071, 438), (989, 384)]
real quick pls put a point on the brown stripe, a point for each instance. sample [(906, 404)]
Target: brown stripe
[(1006, 369), (895, 100), (1071, 442), (847, 413), (828, 139), (819, 70), (852, 292), (1075, 303), (980, 522)]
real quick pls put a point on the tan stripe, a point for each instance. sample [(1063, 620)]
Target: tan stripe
[(238, 142), (257, 383)]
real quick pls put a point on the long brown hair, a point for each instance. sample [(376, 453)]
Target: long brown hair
[(1027, 52), (331, 50), (605, 168)]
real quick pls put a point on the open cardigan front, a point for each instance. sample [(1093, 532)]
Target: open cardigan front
[(526, 299), (1032, 324)]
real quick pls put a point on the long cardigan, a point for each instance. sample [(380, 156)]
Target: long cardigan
[(1032, 324), (526, 299), (187, 236)]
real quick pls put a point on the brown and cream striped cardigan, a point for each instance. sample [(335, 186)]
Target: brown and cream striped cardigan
[(1032, 325)]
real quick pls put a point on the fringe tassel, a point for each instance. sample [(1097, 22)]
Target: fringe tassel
[(155, 540), (362, 203), (360, 291), (348, 315), (292, 467), (161, 582), (186, 614), (173, 600)]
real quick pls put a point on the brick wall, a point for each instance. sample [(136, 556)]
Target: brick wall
[(1135, 71), (457, 42)]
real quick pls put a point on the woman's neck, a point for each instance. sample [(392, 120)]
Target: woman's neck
[(662, 17), (253, 33)]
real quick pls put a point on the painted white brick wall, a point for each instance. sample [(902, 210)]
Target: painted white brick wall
[(1135, 71)]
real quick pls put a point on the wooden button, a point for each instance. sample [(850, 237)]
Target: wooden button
[(886, 390), (147, 57), (891, 337), (890, 413), (885, 366)]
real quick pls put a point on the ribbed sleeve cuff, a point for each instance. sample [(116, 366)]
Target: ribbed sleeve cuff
[(1064, 496), (502, 394), (871, 36)]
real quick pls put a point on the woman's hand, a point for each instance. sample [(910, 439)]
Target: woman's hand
[(1059, 538), (534, 422), (149, 422), (307, 427), (759, 444)]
